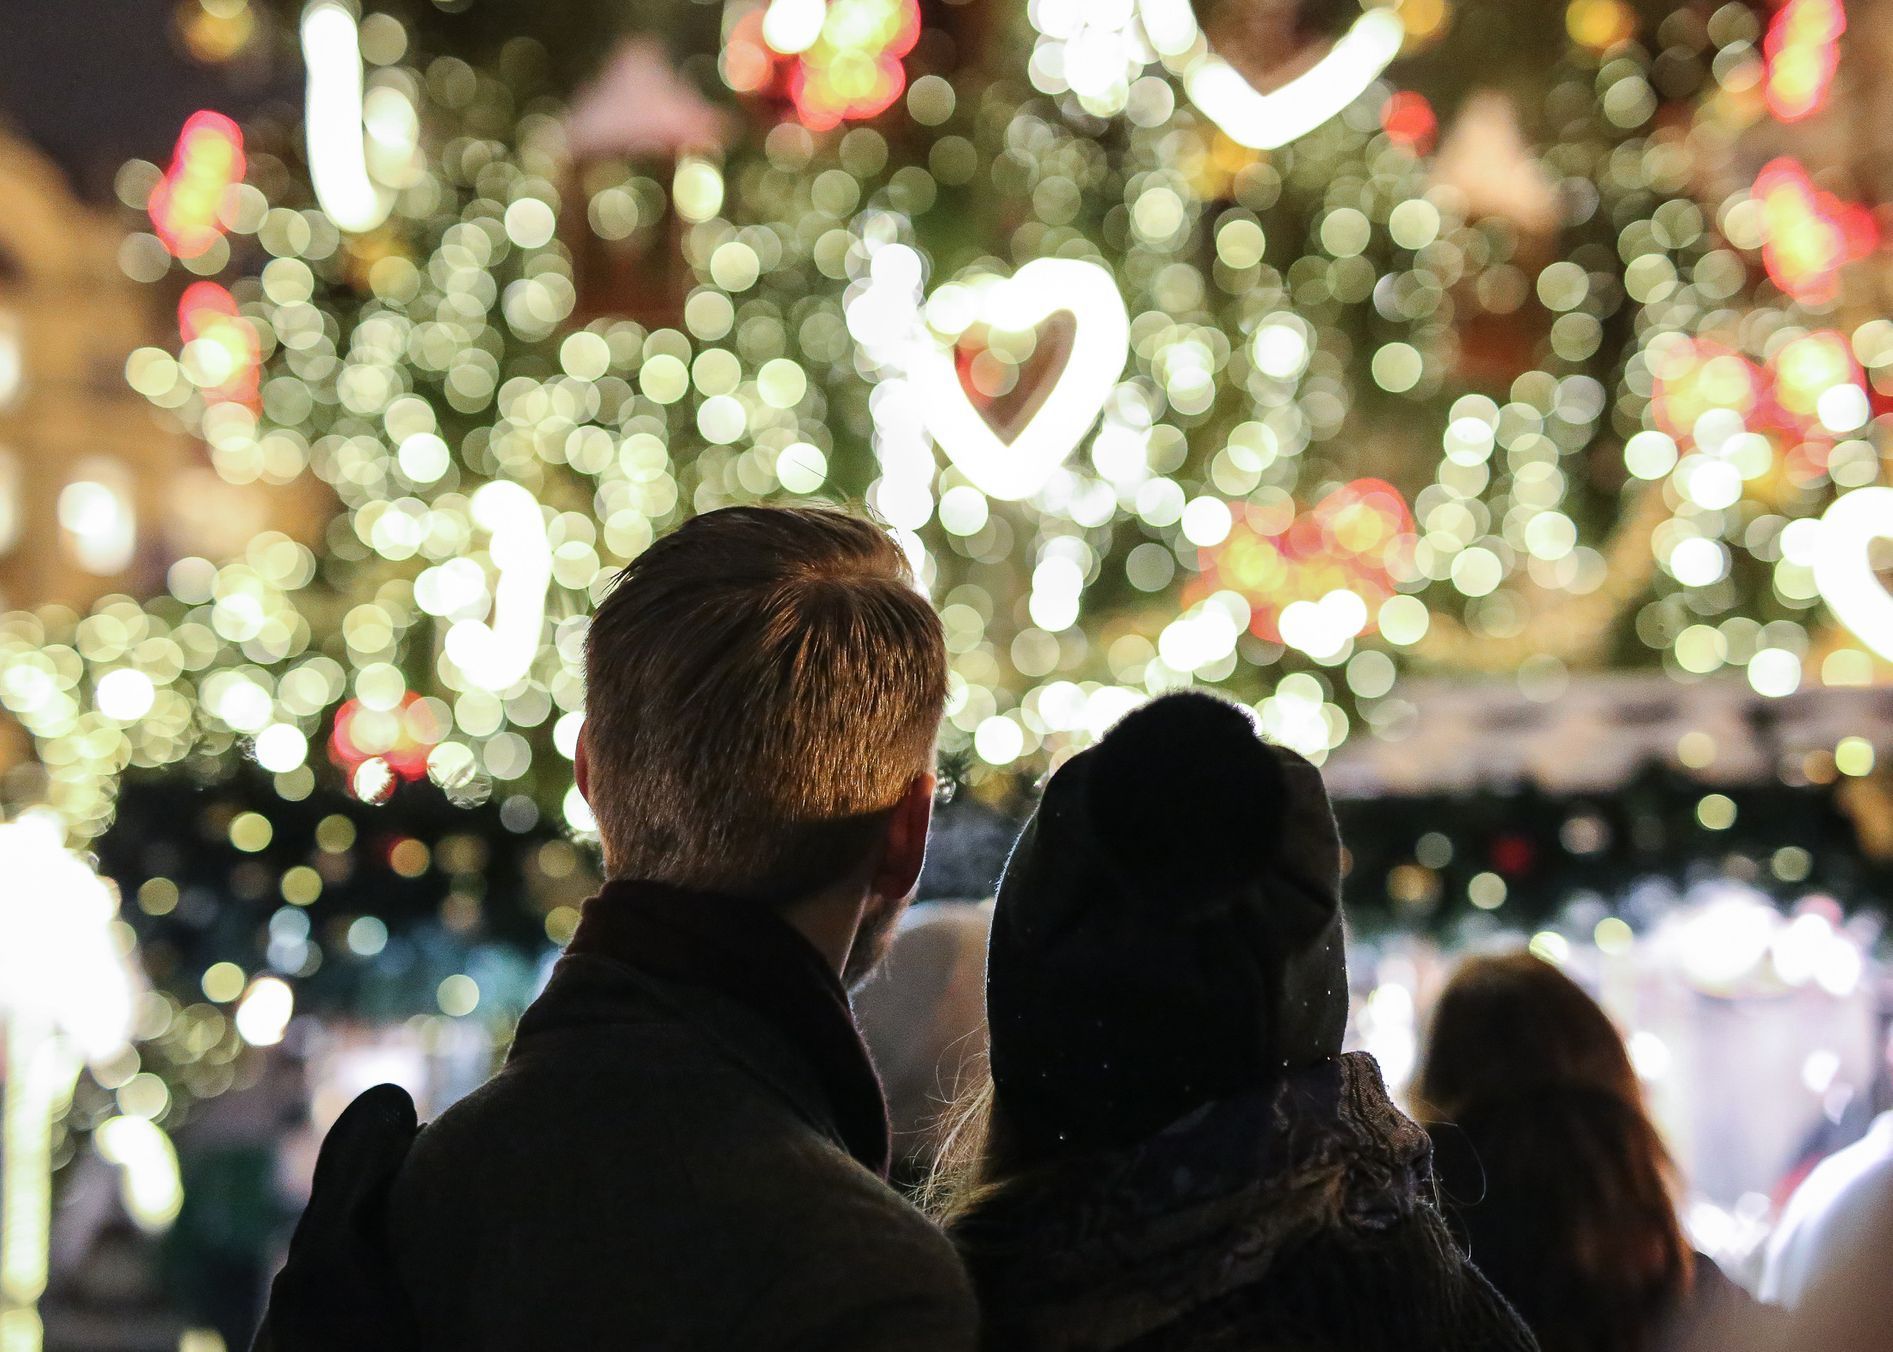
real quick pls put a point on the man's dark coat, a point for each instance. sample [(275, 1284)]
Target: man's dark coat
[(671, 1163)]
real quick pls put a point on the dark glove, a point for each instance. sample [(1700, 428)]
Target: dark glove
[(338, 1288)]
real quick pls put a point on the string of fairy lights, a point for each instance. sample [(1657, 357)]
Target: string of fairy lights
[(1148, 404)]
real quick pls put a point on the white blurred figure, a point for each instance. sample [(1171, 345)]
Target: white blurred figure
[(923, 1016), (1831, 1257)]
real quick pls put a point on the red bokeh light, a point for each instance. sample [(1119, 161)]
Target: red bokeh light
[(207, 161), (1513, 855), (1697, 375), (1780, 396), (853, 71), (208, 311), (1408, 120), (749, 66), (402, 737), (1807, 368), (1809, 234), (1802, 50), (1349, 541)]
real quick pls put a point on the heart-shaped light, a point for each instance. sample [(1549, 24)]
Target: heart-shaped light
[(1264, 121), (1843, 567), (1016, 469)]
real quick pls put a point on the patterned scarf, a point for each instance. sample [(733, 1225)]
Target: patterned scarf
[(1106, 1251)]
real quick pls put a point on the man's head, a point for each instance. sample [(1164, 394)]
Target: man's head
[(764, 686)]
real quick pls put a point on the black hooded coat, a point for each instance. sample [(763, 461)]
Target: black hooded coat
[(1191, 1163)]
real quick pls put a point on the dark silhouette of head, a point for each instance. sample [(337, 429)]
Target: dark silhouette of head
[(1167, 934)]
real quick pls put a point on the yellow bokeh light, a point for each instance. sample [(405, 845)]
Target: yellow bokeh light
[(251, 832), (223, 982), (1854, 756)]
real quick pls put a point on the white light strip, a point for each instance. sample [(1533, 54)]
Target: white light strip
[(36, 1066), (1265, 121), (65, 995), (332, 118)]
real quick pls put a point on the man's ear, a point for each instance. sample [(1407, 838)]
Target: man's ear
[(582, 767), (904, 848)]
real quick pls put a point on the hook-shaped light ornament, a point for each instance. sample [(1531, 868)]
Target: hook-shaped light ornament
[(497, 655), (337, 118)]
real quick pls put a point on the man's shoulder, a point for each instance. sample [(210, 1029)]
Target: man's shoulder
[(1843, 1206), (643, 1119), (671, 1215), (606, 1103), (667, 1154)]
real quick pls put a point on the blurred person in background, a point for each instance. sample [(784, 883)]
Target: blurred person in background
[(687, 1147), (1172, 1152), (923, 1016), (235, 1211), (1554, 1176), (923, 1012), (1830, 1260)]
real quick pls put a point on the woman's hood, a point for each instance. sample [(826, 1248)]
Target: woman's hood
[(1168, 932)]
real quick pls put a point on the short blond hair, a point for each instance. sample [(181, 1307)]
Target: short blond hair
[(762, 686)]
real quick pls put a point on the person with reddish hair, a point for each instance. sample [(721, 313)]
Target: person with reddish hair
[(1553, 1174)]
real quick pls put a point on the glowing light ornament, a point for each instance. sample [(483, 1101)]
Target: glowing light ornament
[(1264, 121), (1843, 565), (220, 348), (1016, 469), (207, 162), (1809, 235), (1317, 579), (349, 136), (1802, 49), (853, 68), (497, 656), (401, 738)]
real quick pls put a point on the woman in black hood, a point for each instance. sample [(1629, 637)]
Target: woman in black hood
[(1172, 1151)]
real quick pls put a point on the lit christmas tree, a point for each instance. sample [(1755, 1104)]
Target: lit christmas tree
[(1161, 378), (1283, 351)]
